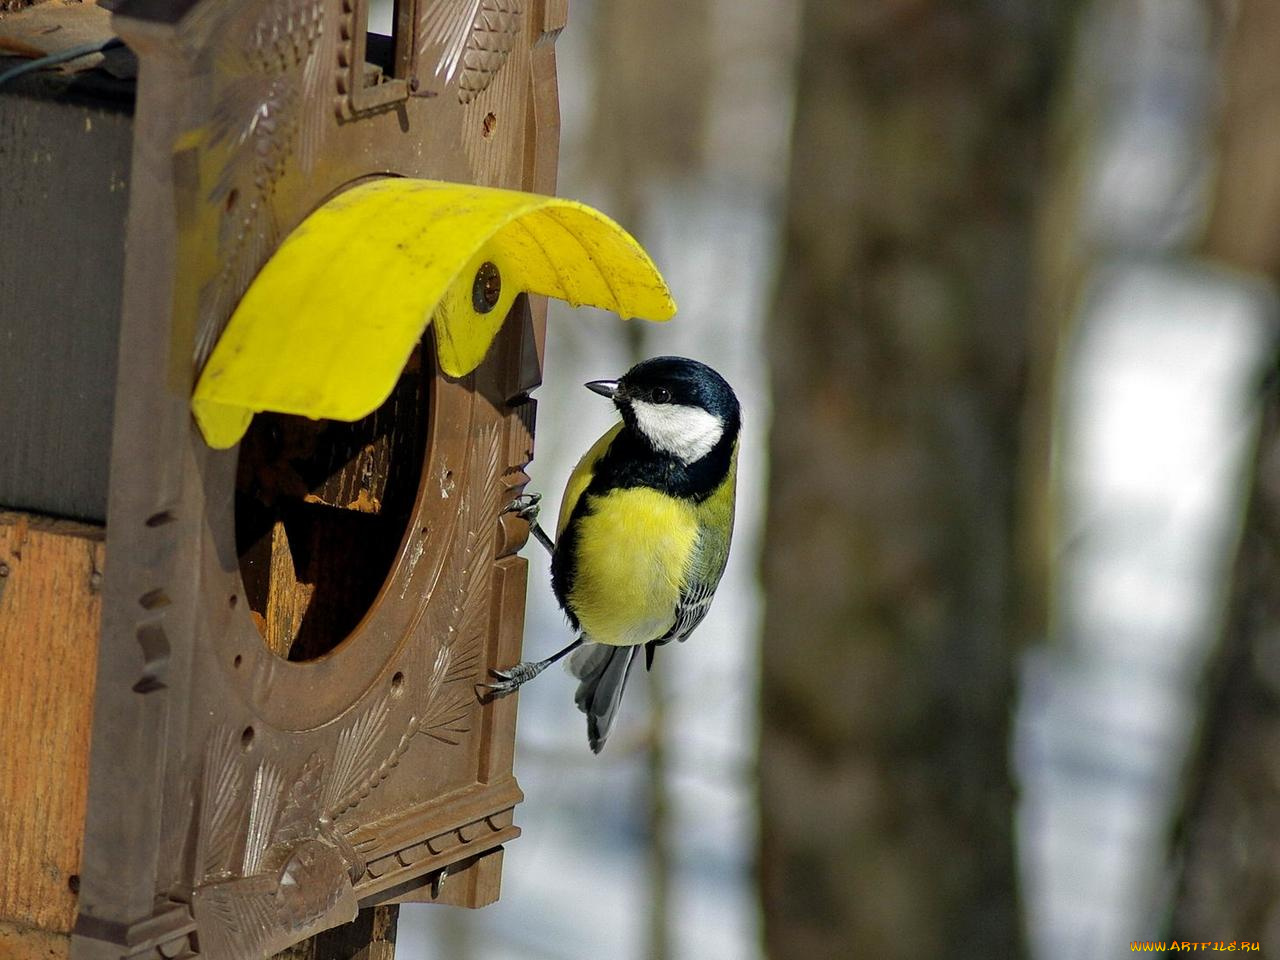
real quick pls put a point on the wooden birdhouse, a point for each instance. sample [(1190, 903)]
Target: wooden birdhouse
[(264, 402)]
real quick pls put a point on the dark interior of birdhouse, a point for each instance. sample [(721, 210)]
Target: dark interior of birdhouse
[(321, 510)]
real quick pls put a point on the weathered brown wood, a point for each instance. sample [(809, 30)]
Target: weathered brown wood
[(18, 942), (50, 574), (473, 883)]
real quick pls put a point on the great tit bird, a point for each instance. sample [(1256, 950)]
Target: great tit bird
[(644, 529)]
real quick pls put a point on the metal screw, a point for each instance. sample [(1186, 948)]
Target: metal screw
[(4, 569), (487, 287)]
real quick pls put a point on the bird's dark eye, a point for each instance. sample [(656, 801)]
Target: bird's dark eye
[(661, 394)]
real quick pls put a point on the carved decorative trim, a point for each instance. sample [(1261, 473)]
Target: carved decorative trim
[(273, 861), (494, 31), (466, 40), (262, 122), (441, 849), (444, 29), (169, 934)]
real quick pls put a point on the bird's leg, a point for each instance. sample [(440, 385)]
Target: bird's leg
[(526, 507), (541, 536), (513, 678)]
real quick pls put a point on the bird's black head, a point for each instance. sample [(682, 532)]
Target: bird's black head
[(680, 407)]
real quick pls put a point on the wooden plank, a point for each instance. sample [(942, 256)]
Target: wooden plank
[(474, 885), (50, 575), (19, 942)]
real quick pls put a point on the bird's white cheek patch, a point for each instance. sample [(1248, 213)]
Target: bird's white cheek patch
[(688, 433)]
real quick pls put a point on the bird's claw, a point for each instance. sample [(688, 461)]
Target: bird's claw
[(527, 506), (511, 679), (505, 684)]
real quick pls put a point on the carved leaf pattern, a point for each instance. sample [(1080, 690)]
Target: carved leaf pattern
[(375, 776), (447, 715), (236, 917), (458, 657), (494, 31), (446, 24), (221, 801), (264, 805), (274, 69), (267, 112), (261, 911), (443, 717), (355, 755), (298, 869), (301, 808), (260, 915), (445, 710)]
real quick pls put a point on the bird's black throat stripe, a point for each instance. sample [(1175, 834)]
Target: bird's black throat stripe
[(631, 461)]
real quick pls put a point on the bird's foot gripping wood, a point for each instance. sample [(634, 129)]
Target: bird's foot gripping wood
[(511, 679), (527, 506)]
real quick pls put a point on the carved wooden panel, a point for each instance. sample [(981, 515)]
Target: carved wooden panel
[(286, 722)]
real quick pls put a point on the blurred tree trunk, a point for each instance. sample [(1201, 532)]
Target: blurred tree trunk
[(898, 358), (1230, 842), (1230, 848)]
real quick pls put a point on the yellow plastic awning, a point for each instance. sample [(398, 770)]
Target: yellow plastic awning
[(328, 324)]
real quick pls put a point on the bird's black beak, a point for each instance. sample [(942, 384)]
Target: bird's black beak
[(606, 388)]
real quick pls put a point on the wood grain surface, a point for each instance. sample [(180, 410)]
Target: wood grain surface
[(50, 574), (19, 942)]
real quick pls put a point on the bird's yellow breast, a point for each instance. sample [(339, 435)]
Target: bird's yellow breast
[(633, 549)]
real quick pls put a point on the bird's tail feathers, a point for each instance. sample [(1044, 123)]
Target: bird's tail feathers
[(603, 670)]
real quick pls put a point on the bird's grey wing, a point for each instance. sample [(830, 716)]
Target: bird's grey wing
[(603, 670), (706, 567), (695, 601)]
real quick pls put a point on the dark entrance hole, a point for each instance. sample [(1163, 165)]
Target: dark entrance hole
[(321, 508)]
